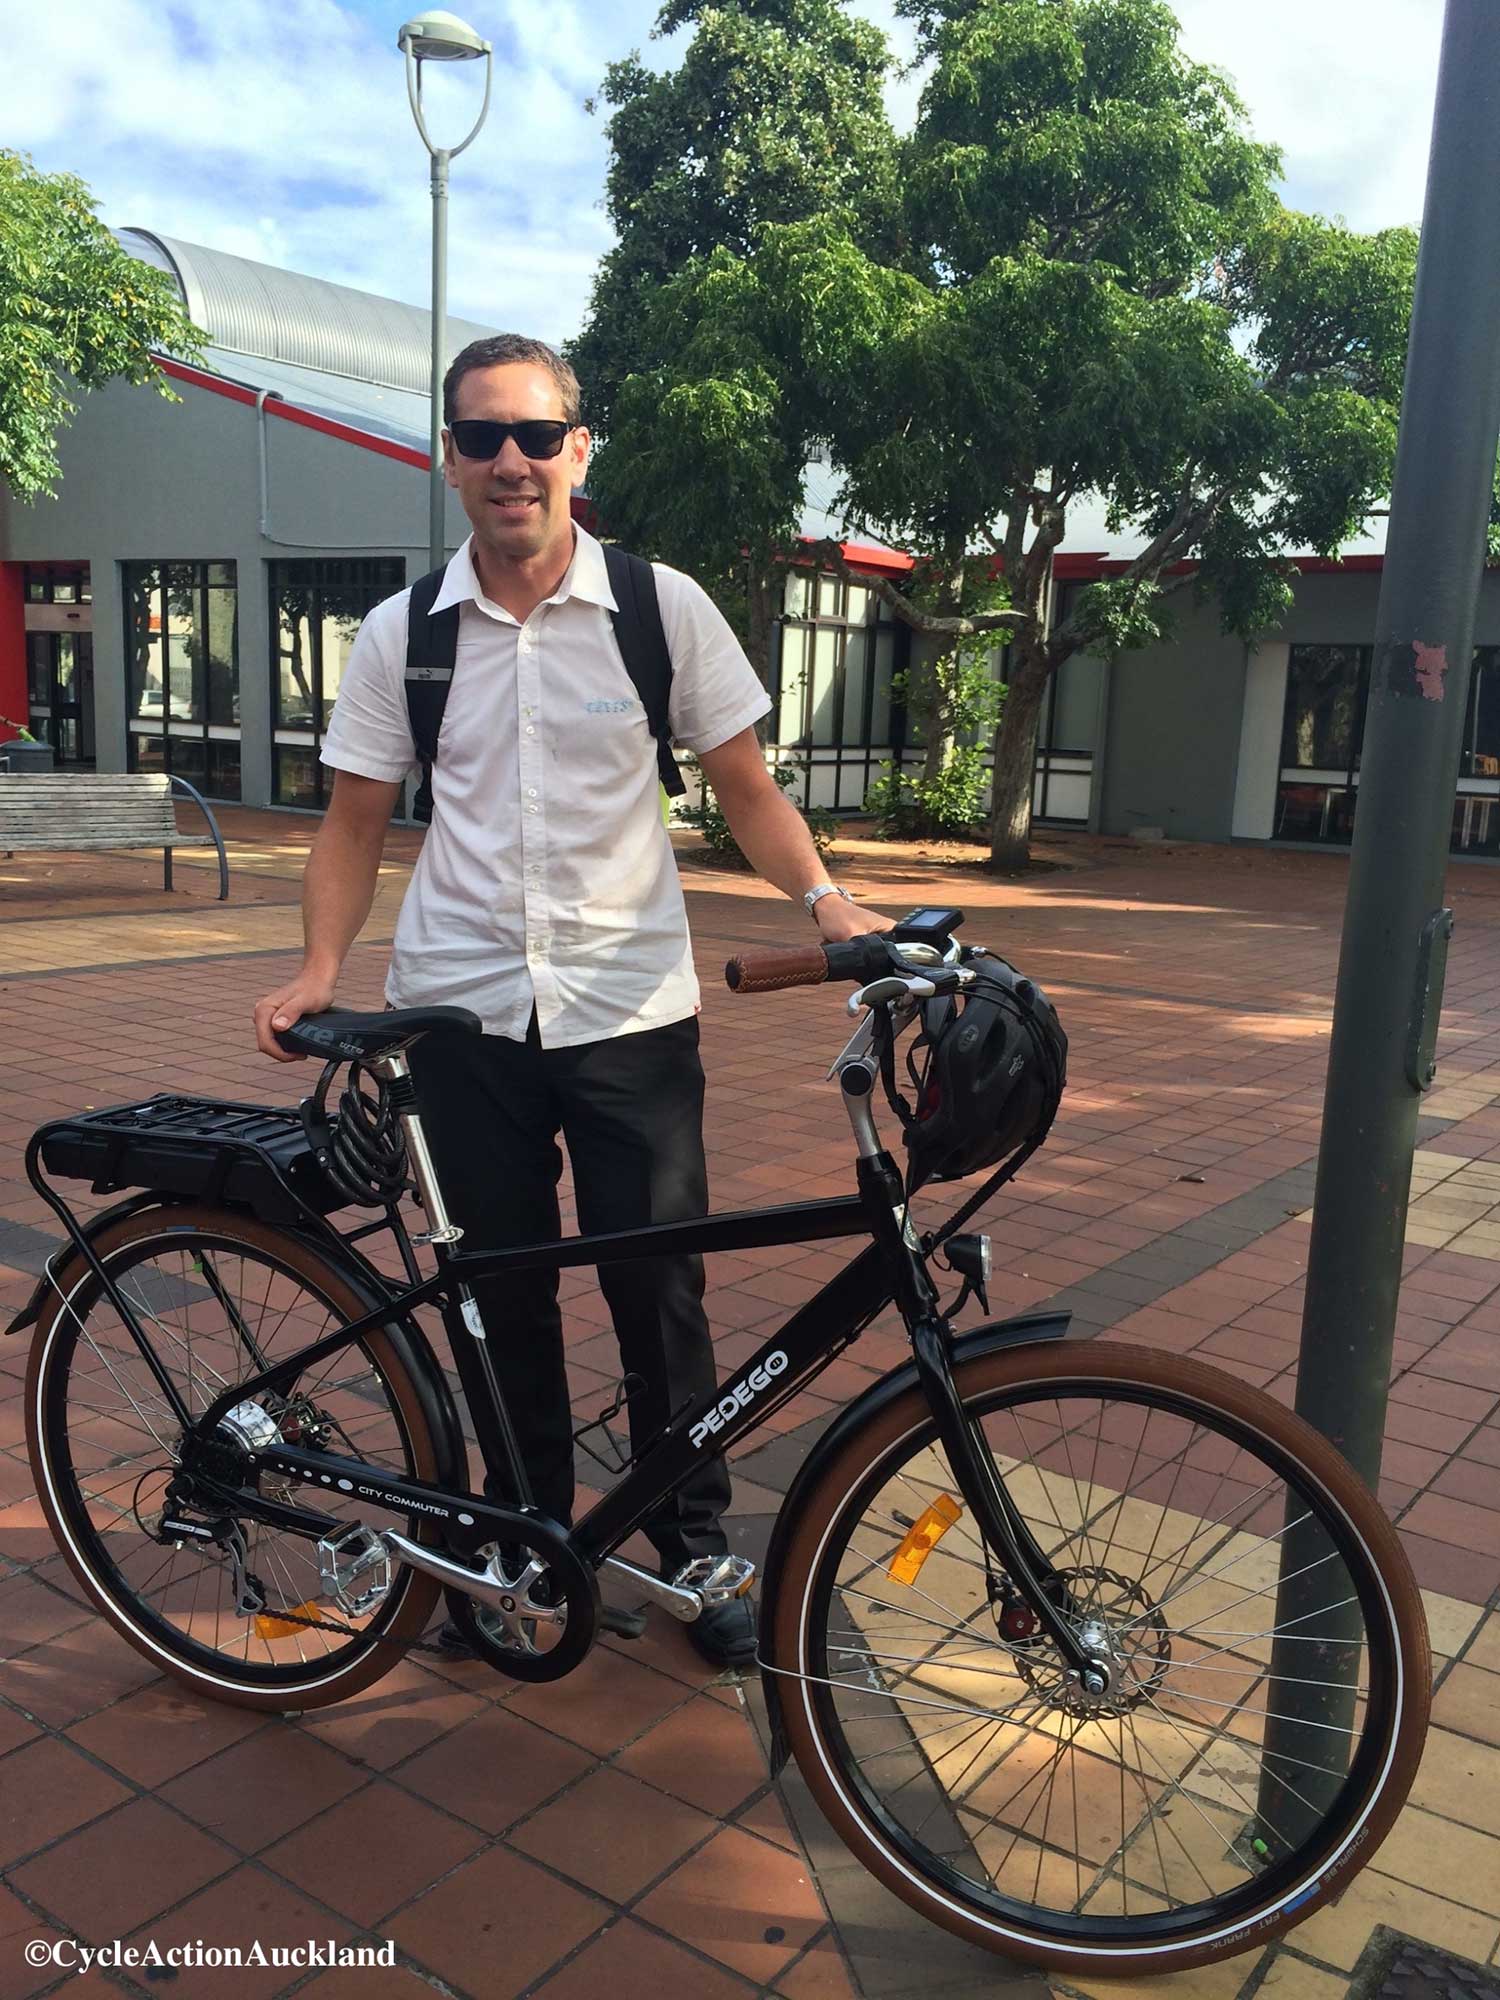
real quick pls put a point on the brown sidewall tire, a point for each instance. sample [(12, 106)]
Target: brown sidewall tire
[(1103, 1362), (419, 1593)]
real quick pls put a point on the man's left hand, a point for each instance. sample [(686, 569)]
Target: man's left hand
[(837, 919)]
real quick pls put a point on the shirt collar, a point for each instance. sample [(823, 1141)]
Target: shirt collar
[(586, 576)]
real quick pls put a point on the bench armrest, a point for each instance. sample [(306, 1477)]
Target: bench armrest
[(213, 827)]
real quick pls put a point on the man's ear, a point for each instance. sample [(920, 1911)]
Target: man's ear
[(580, 442), (450, 468)]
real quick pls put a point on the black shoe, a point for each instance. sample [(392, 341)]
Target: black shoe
[(725, 1634)]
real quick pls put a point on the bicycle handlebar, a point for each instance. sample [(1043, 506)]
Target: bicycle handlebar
[(856, 959)]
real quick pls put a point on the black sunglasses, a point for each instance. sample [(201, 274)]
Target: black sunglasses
[(538, 437)]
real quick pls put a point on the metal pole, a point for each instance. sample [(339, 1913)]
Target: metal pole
[(436, 502), (1395, 930)]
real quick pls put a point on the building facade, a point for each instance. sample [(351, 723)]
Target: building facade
[(187, 602)]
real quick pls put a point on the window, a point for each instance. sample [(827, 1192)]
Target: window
[(831, 686), (317, 608), (1327, 700), (55, 583), (182, 672)]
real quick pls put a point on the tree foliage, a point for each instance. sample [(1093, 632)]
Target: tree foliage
[(1089, 288), (75, 311), (774, 115)]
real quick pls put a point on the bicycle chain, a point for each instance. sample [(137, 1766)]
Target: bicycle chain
[(349, 1632)]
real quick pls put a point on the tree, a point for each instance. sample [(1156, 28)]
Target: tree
[(1101, 295), (75, 311), (774, 115)]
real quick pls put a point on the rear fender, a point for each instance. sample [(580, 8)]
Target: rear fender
[(980, 1340)]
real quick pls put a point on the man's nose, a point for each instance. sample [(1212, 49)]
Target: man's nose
[(512, 462)]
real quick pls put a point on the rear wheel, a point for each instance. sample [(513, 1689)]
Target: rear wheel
[(245, 1618), (1256, 1736)]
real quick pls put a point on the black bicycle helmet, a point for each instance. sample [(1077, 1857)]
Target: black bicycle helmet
[(996, 1062)]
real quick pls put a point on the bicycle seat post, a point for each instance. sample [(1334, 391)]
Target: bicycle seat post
[(394, 1072)]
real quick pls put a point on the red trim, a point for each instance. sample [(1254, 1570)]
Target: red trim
[(1093, 565), (200, 378), (14, 700)]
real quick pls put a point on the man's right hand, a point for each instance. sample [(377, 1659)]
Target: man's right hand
[(308, 993)]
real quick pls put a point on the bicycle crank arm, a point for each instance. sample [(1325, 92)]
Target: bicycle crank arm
[(1000, 1525), (710, 1580)]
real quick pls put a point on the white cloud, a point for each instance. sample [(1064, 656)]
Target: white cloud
[(282, 132)]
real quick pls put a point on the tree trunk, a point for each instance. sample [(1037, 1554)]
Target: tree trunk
[(1015, 757), (937, 734)]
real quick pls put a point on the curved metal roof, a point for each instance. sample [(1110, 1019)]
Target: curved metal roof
[(275, 315)]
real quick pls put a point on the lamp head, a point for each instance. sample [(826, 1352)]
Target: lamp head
[(439, 37)]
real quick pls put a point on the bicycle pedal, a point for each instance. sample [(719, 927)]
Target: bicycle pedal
[(716, 1579)]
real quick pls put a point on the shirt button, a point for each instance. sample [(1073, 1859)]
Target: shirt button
[(530, 729), (531, 809), (531, 791)]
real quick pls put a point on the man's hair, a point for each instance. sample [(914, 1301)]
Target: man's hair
[(496, 351)]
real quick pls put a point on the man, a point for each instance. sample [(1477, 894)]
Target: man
[(547, 901)]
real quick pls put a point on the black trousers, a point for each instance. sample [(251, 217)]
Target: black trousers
[(631, 1112)]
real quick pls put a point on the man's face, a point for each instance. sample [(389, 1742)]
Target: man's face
[(518, 506)]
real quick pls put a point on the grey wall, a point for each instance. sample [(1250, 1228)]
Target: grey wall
[(144, 480), (1173, 716), (1172, 733)]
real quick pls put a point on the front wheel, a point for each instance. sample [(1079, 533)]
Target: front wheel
[(1265, 1648)]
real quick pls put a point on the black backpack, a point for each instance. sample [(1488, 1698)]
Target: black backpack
[(432, 649)]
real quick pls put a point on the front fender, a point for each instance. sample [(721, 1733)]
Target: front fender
[(979, 1340)]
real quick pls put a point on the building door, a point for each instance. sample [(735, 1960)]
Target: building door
[(60, 662), (60, 673)]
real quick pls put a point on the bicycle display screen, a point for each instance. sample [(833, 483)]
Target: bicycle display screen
[(927, 926)]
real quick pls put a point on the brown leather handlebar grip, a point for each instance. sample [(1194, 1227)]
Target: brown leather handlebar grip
[(767, 971)]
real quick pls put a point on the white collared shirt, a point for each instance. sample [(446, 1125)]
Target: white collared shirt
[(547, 877)]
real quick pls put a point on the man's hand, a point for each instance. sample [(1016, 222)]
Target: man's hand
[(837, 919), (308, 993)]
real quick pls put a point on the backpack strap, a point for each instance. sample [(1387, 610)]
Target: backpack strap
[(431, 651), (643, 647)]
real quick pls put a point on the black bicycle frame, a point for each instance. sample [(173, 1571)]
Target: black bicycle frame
[(890, 1267)]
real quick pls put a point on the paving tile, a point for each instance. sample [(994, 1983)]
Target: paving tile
[(497, 1925), (612, 1834), (704, 1753), (1339, 1932), (242, 1909), (742, 1901), (494, 1770), (375, 1982), (15, 1729), (19, 1927), (154, 1734), (46, 1790), (1445, 1859), (122, 1870), (629, 1962), (259, 1789), (820, 1974), (372, 1852), (74, 1674), (405, 1711), (607, 1701), (1469, 1702)]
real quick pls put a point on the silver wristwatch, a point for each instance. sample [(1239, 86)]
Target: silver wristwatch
[(812, 897)]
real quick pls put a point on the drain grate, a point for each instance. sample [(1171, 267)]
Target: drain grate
[(1424, 1972)]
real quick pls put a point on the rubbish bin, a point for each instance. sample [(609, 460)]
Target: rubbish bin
[(18, 756)]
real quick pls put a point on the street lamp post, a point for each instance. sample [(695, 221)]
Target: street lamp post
[(439, 37)]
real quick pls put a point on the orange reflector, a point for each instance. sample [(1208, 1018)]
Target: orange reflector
[(268, 1626), (921, 1538)]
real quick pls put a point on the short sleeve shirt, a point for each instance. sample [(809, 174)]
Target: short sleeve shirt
[(547, 879)]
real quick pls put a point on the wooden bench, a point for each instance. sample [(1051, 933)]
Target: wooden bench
[(58, 810)]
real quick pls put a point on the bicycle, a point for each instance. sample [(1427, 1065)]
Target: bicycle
[(1093, 1655)]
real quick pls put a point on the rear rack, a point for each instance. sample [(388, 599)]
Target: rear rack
[(250, 1156)]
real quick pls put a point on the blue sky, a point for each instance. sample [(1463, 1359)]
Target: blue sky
[(282, 131)]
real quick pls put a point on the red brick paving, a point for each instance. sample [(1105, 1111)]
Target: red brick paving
[(572, 1840)]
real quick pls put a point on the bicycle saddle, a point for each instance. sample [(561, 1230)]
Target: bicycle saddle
[(342, 1036)]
